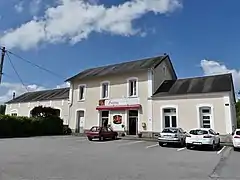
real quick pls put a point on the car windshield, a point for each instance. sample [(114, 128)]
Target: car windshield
[(198, 132), (238, 133), (169, 130)]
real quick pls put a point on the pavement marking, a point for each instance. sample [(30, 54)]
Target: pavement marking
[(181, 149), (221, 150), (130, 143), (151, 146)]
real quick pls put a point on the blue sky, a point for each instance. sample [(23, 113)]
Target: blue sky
[(67, 36)]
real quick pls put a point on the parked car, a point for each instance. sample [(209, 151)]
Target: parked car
[(172, 135), (203, 137), (101, 133), (236, 139)]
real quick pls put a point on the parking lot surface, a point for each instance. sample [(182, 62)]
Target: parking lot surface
[(76, 158)]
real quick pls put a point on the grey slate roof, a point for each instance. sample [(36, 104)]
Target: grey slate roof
[(124, 67), (205, 84), (53, 94)]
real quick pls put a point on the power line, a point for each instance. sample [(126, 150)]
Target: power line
[(16, 72), (40, 67)]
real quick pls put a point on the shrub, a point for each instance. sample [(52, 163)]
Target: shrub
[(11, 126)]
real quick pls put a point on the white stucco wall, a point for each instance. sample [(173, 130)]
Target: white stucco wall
[(187, 111), (23, 109)]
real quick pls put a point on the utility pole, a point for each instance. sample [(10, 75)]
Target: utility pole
[(1, 64)]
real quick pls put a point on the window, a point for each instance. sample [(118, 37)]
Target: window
[(13, 114), (198, 132), (132, 87), (105, 90), (82, 89), (170, 130), (169, 117), (205, 117)]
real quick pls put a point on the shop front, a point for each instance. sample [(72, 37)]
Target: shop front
[(121, 114)]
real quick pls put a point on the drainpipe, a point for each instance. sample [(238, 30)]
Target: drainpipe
[(70, 102)]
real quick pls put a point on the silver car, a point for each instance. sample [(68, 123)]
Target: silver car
[(172, 135)]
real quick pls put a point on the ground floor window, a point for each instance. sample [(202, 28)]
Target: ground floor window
[(104, 118), (169, 117), (205, 117)]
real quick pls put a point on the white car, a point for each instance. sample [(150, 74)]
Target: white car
[(236, 139), (203, 137)]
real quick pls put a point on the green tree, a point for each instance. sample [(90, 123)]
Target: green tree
[(41, 111), (238, 113), (2, 109)]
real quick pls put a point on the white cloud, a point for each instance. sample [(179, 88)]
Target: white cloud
[(7, 89), (19, 7), (64, 85), (214, 67), (74, 20)]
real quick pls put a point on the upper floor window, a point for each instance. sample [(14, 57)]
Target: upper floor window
[(105, 90), (13, 114), (205, 117), (132, 87), (82, 92)]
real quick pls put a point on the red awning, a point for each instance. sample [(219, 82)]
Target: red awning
[(132, 106)]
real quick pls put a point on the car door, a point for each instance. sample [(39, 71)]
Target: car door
[(104, 132), (110, 132)]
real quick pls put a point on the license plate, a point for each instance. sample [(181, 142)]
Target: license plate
[(197, 143)]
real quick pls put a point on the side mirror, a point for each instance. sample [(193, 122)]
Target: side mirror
[(232, 133)]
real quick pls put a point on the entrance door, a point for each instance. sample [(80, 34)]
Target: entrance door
[(132, 122), (80, 122)]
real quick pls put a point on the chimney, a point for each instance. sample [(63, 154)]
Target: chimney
[(165, 54), (14, 95)]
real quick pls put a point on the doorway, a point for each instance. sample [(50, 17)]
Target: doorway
[(80, 122), (132, 122)]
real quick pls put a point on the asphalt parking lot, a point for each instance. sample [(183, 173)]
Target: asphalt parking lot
[(76, 158)]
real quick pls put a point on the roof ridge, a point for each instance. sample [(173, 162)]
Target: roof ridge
[(123, 62), (205, 76)]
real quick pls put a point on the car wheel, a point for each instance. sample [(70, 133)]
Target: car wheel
[(182, 143), (114, 137), (188, 146), (101, 138), (213, 146), (160, 144), (234, 148), (89, 138)]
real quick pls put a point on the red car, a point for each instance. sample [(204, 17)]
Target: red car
[(101, 133)]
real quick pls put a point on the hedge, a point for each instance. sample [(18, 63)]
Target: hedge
[(13, 126)]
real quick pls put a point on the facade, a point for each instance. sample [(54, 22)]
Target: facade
[(134, 99), (117, 95), (142, 96), (206, 102), (56, 98)]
